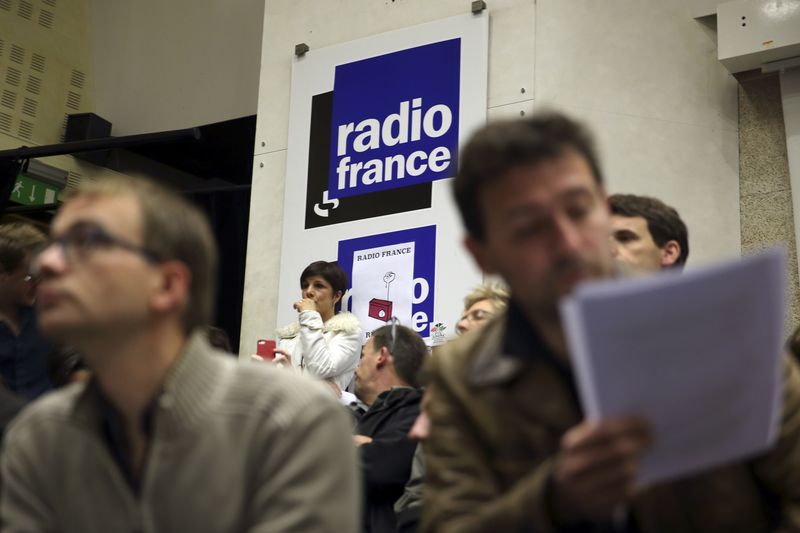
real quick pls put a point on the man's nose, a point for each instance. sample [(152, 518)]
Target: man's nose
[(567, 234), (48, 262)]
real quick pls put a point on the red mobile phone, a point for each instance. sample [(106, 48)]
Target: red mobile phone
[(266, 348)]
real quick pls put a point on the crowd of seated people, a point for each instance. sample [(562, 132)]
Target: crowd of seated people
[(122, 409)]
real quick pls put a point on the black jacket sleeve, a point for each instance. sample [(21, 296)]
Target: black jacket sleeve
[(386, 461)]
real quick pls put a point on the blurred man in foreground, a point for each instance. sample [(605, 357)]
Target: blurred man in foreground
[(509, 449), (169, 435)]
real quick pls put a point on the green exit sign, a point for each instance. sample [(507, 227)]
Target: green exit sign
[(30, 191)]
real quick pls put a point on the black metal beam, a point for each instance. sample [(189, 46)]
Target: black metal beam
[(91, 145), (32, 208), (221, 188)]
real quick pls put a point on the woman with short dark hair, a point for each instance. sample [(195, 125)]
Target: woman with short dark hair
[(322, 343)]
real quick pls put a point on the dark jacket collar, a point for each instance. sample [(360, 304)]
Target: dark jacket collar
[(396, 397)]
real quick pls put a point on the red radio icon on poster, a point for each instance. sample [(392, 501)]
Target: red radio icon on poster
[(380, 309)]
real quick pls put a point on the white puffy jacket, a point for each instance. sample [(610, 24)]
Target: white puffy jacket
[(326, 351)]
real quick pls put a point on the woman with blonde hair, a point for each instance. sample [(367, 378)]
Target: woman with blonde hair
[(481, 304)]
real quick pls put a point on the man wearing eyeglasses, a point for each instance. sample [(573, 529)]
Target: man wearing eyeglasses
[(386, 380), (23, 350), (169, 435)]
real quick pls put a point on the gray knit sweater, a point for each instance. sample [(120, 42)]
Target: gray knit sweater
[(235, 448)]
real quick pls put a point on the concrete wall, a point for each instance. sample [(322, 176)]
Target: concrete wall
[(645, 75), (790, 102), (766, 193)]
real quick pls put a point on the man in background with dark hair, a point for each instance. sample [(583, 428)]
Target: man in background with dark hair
[(648, 235), (23, 350), (169, 434), (509, 447), (386, 380)]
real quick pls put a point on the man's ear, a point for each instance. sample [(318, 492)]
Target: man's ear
[(384, 357), (477, 250), (173, 285), (670, 253)]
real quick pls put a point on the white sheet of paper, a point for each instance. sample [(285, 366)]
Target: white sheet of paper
[(697, 354), (385, 274)]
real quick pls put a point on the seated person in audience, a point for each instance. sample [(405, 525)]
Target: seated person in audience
[(322, 343), (10, 405), (386, 380), (509, 447), (23, 350), (169, 435), (480, 305), (647, 235)]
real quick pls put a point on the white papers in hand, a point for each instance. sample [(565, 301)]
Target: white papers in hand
[(697, 354)]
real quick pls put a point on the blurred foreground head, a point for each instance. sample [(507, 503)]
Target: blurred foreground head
[(532, 201), (125, 255)]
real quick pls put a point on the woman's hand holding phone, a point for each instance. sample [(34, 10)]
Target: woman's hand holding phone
[(265, 349), (282, 357)]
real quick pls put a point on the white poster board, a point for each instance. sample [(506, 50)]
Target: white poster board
[(374, 130)]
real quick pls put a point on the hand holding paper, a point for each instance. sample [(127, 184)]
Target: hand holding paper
[(696, 354), (597, 468)]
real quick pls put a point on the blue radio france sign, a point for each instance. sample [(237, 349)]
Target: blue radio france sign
[(395, 119), (420, 297)]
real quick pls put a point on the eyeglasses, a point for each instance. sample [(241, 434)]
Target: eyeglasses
[(80, 241), (394, 320), (478, 315)]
